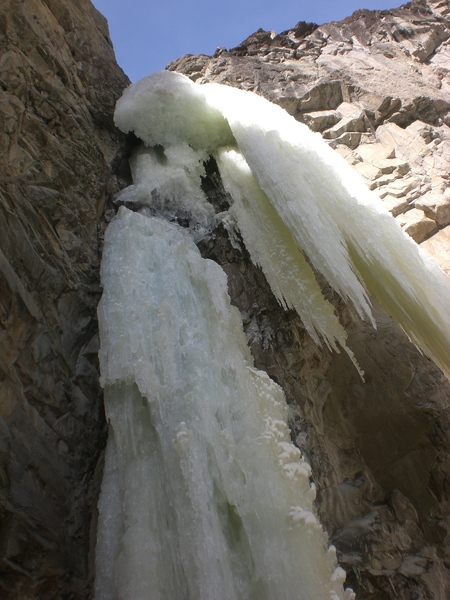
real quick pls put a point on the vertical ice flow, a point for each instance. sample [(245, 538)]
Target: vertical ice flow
[(214, 501)]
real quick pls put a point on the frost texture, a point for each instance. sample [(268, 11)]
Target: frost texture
[(207, 497)]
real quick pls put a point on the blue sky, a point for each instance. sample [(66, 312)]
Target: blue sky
[(148, 34)]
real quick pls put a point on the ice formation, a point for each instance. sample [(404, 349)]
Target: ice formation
[(330, 214), (204, 496), (271, 246)]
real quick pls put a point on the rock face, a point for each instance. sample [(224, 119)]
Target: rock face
[(59, 84), (376, 86)]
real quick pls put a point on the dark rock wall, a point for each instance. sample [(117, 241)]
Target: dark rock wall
[(58, 85)]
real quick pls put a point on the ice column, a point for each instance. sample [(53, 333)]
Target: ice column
[(204, 496)]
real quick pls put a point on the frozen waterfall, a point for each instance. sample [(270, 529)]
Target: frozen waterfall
[(204, 496)]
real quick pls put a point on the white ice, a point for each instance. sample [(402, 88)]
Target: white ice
[(207, 494), (271, 245)]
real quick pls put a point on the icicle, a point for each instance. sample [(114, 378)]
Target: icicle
[(341, 225), (285, 158), (272, 246)]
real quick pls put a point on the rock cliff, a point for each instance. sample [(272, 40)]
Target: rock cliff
[(59, 84), (377, 87)]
